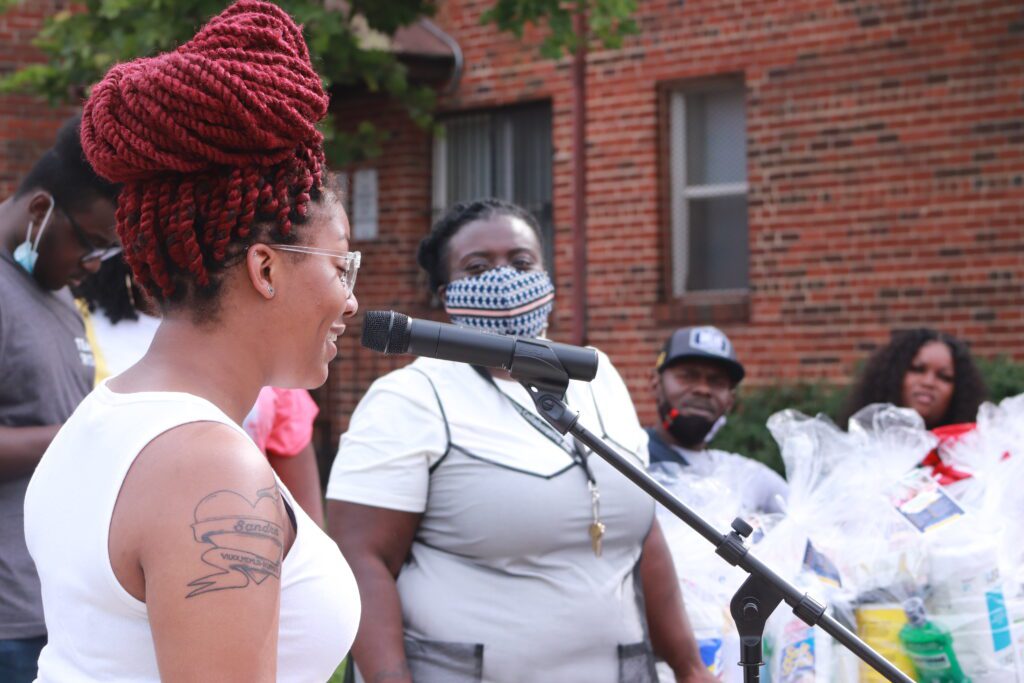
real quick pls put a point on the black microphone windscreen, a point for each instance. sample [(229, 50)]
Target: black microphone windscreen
[(386, 332)]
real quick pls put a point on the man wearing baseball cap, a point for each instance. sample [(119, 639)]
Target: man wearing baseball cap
[(694, 382)]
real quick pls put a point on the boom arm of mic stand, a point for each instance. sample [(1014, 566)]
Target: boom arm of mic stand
[(760, 593)]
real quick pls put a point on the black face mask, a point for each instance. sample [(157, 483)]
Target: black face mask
[(689, 430)]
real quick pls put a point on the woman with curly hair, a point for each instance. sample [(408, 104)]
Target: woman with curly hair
[(166, 547), (120, 327), (932, 373), (924, 369)]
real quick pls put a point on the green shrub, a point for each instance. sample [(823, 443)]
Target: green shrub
[(1003, 376), (746, 433)]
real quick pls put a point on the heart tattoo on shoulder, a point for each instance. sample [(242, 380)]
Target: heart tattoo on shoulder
[(246, 546)]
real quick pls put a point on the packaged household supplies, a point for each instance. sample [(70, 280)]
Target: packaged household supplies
[(993, 492), (922, 502), (1003, 425), (929, 646), (967, 599), (879, 548), (1016, 610), (813, 451), (838, 483), (891, 564), (800, 653), (880, 620), (706, 580), (879, 625), (931, 577), (978, 568), (845, 538)]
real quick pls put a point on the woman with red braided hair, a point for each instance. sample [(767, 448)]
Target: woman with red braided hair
[(166, 547)]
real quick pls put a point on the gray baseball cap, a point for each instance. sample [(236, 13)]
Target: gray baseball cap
[(708, 343)]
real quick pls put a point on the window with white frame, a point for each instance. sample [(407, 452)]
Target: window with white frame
[(708, 170), (504, 153)]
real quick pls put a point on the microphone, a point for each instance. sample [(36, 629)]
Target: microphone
[(393, 333)]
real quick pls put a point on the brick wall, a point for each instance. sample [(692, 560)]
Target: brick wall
[(27, 124), (394, 280), (885, 163)]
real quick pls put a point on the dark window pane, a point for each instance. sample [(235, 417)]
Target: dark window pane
[(469, 157), (716, 137), (719, 252), (531, 170), (504, 154)]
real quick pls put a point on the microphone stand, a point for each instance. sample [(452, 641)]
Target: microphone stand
[(538, 369)]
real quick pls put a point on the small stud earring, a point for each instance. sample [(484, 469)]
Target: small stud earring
[(270, 290)]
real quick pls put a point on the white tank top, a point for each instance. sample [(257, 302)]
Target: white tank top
[(97, 630)]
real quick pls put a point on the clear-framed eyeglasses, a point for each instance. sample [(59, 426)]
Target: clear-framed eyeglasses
[(93, 253), (350, 259)]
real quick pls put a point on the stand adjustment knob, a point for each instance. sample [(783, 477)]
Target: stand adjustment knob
[(741, 527), (750, 611)]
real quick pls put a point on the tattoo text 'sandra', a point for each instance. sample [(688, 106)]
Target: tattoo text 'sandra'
[(245, 546)]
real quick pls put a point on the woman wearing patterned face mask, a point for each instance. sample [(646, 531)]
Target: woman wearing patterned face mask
[(493, 548)]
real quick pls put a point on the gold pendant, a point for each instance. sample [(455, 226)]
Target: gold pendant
[(596, 535)]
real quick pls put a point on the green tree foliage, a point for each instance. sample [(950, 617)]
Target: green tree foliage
[(608, 21), (80, 45)]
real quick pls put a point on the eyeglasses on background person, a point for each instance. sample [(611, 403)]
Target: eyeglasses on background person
[(93, 254)]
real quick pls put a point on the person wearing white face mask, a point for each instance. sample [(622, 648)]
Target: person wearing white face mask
[(492, 547), (57, 228)]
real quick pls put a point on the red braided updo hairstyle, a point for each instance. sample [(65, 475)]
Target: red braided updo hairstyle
[(210, 140)]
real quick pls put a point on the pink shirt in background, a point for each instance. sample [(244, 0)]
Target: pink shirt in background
[(281, 422)]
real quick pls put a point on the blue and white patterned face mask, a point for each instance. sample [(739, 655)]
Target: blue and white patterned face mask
[(502, 300)]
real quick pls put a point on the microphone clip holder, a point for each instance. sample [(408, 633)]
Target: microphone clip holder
[(538, 369)]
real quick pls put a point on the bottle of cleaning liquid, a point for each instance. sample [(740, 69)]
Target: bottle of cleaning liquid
[(929, 646)]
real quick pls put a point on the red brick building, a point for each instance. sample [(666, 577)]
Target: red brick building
[(883, 178), (27, 124), (808, 175)]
